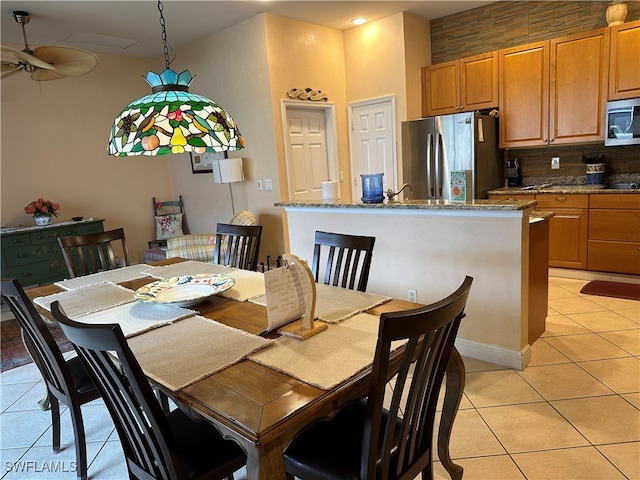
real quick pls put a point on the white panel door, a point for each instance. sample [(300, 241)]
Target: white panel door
[(372, 143), (308, 165)]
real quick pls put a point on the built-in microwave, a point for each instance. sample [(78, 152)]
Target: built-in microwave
[(623, 122)]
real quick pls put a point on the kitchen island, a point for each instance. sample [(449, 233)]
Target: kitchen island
[(429, 246)]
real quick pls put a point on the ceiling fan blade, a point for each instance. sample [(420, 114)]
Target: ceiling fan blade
[(65, 61), (7, 71), (15, 56)]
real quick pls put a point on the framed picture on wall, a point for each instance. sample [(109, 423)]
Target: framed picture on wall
[(203, 162)]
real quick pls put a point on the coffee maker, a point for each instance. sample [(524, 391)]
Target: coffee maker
[(513, 173)]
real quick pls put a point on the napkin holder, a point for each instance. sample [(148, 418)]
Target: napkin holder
[(305, 327)]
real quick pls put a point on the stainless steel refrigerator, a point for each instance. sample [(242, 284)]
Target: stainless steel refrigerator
[(433, 147)]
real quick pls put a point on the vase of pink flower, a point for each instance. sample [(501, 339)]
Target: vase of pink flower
[(42, 211)]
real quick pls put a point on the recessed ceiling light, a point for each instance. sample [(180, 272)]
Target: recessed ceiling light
[(359, 21)]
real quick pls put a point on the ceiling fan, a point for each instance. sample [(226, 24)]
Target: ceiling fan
[(44, 63)]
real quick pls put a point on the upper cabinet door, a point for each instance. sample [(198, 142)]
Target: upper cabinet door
[(479, 82), (463, 85), (624, 61), (524, 95), (578, 85), (441, 89)]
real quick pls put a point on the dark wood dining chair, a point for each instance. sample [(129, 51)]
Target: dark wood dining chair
[(91, 253), (237, 245), (67, 381), (344, 264), (365, 440), (156, 446)]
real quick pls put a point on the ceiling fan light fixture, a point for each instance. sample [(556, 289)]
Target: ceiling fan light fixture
[(170, 120)]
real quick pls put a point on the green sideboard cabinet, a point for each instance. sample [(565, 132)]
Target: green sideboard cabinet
[(32, 254)]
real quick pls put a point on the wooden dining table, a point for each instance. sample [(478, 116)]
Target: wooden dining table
[(263, 409)]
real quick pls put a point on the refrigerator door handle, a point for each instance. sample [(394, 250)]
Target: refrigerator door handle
[(429, 163), (437, 181)]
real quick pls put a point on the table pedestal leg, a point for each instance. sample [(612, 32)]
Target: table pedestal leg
[(453, 394)]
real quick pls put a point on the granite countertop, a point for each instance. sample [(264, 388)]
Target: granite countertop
[(564, 189), (494, 204)]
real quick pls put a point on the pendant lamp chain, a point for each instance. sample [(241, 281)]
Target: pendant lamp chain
[(165, 42)]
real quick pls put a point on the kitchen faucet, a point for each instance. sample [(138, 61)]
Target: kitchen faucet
[(391, 194)]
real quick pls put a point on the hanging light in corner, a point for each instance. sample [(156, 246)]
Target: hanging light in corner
[(172, 120)]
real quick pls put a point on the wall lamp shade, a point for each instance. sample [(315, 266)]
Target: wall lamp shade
[(228, 170), (172, 120)]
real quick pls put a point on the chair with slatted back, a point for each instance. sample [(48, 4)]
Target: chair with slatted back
[(91, 253), (237, 245), (389, 433), (348, 259), (67, 381), (168, 216), (156, 446)]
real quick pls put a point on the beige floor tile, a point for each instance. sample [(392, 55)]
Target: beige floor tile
[(630, 313), (628, 340), (581, 348), (502, 387), (531, 426), (632, 398), (605, 321), (622, 375), (555, 382), (566, 306), (544, 354), (471, 437), (556, 325), (607, 419), (571, 463), (612, 303), (572, 284), (498, 467), (625, 456), (557, 291), (473, 365)]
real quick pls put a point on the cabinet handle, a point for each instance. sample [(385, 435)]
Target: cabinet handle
[(16, 241), (25, 274), (561, 199), (21, 255)]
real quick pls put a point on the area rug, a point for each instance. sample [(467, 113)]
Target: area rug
[(12, 350), (629, 291)]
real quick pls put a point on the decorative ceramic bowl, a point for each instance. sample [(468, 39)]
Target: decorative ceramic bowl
[(76, 219)]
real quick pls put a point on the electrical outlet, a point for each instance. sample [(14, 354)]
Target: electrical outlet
[(267, 184), (412, 295), (555, 162), (259, 184)]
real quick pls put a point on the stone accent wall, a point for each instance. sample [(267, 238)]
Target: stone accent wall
[(511, 23)]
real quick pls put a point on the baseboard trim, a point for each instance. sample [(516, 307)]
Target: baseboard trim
[(515, 359), (589, 275)]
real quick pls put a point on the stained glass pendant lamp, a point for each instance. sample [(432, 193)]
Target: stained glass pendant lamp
[(172, 120)]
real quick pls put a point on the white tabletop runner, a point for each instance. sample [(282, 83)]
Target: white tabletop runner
[(138, 317), (328, 358), (248, 284), (89, 299), (335, 304), (180, 354), (117, 275)]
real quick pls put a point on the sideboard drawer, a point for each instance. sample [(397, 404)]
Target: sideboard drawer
[(40, 272), (27, 254)]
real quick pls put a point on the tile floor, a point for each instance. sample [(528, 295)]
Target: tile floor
[(573, 413)]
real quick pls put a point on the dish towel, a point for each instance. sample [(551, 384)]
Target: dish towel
[(89, 299)]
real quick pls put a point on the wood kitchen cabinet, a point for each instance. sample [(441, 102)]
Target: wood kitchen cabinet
[(568, 229), (624, 61), (614, 233), (553, 92), (462, 85)]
